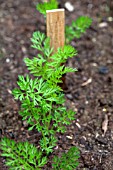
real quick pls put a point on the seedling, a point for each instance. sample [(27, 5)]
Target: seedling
[(68, 161), (43, 103), (42, 99)]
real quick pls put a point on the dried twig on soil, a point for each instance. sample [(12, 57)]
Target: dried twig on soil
[(87, 82), (105, 124)]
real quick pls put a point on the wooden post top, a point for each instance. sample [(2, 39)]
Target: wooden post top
[(55, 10)]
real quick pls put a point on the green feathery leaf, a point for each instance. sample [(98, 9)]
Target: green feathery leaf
[(68, 161), (42, 7), (78, 27), (22, 155)]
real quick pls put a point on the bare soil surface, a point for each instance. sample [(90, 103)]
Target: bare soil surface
[(89, 91)]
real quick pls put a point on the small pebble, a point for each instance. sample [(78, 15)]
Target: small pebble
[(78, 125), (69, 96), (90, 6), (24, 50), (109, 61), (56, 147), (69, 137), (25, 123), (104, 110), (86, 102), (7, 60), (9, 91), (96, 135), (103, 24), (94, 40), (69, 6), (103, 70), (110, 19), (94, 64)]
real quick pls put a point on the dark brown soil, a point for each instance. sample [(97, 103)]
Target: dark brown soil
[(89, 91)]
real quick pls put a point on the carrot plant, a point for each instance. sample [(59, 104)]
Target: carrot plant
[(43, 102), (42, 105), (42, 99)]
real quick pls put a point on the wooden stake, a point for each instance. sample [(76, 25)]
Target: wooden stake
[(55, 23)]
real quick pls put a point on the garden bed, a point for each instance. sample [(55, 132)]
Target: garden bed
[(89, 91)]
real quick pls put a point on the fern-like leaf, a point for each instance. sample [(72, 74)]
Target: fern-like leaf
[(68, 161), (42, 7), (78, 27), (22, 155)]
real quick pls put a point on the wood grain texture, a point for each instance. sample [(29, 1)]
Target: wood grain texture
[(55, 24)]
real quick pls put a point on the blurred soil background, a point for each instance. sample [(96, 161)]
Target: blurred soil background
[(89, 91)]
